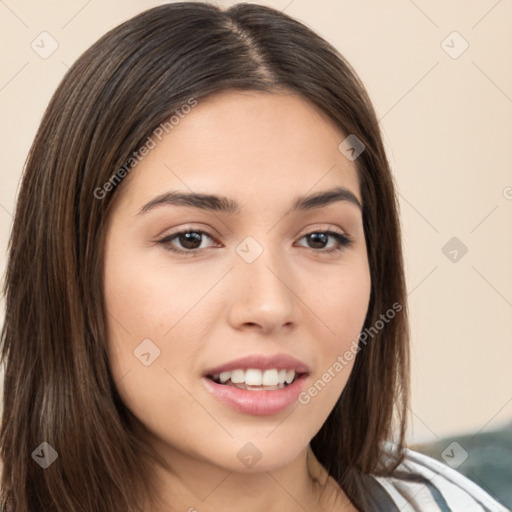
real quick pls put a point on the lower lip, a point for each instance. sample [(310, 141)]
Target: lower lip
[(258, 403)]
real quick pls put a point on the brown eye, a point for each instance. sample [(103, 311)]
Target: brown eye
[(190, 240), (185, 241), (320, 240)]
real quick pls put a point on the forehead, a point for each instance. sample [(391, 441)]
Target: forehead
[(246, 144)]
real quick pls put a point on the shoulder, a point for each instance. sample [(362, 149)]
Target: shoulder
[(421, 483)]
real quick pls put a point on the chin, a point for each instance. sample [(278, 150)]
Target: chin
[(256, 454)]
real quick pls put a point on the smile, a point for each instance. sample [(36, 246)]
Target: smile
[(258, 385)]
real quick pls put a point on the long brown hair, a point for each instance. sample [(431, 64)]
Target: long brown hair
[(58, 388)]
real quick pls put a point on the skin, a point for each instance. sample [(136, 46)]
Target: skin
[(262, 150)]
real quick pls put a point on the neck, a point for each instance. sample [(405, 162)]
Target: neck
[(194, 485)]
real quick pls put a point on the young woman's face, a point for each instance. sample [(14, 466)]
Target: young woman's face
[(264, 284)]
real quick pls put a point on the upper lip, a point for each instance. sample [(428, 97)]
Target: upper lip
[(262, 362)]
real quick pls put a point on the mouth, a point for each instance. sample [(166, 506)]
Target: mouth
[(258, 385)]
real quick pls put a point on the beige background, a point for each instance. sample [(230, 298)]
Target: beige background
[(447, 123)]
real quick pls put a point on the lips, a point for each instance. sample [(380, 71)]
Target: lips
[(261, 362), (258, 385)]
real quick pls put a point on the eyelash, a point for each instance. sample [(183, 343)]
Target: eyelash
[(343, 241)]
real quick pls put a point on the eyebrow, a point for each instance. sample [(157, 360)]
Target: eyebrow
[(224, 204)]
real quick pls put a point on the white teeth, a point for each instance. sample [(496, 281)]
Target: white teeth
[(270, 378), (256, 377), (253, 377), (224, 376), (237, 376)]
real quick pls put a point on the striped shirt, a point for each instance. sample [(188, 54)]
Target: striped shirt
[(421, 483)]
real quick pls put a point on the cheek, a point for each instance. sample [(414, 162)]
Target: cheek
[(142, 296), (147, 298), (341, 298), (157, 315), (148, 319)]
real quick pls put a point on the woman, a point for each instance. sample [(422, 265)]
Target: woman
[(205, 299)]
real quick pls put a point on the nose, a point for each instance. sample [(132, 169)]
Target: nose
[(262, 295)]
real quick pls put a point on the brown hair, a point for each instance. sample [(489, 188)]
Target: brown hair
[(58, 387)]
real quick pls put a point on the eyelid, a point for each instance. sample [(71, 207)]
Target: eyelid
[(316, 228)]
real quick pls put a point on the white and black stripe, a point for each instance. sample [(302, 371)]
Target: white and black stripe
[(422, 484)]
